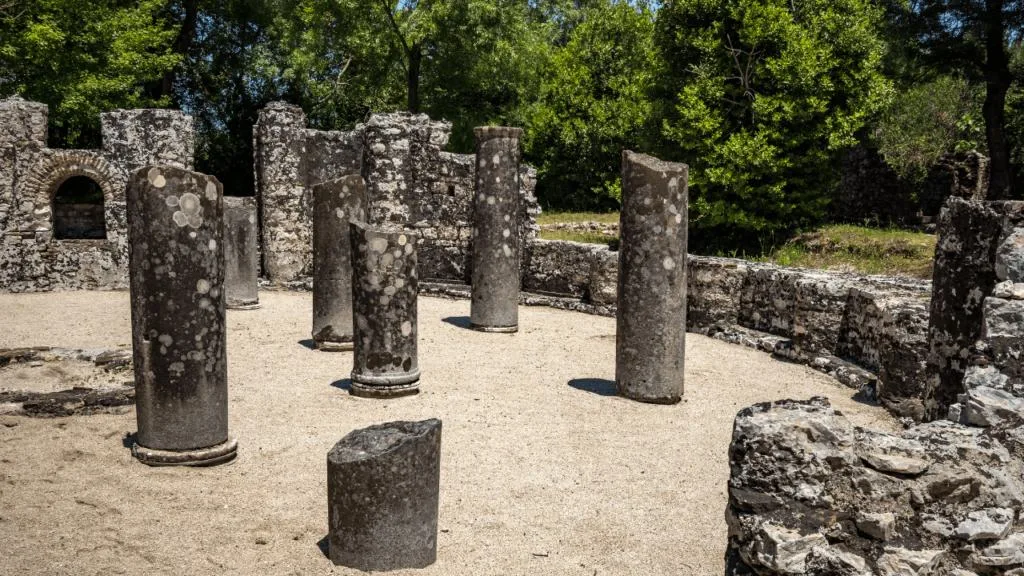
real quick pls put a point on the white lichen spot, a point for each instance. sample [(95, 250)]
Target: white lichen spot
[(385, 300), (668, 263), (339, 213), (397, 253), (156, 178), (387, 259), (191, 210), (214, 292), (344, 188), (205, 303), (180, 219), (679, 218), (490, 200), (496, 159), (166, 339), (390, 290), (212, 245), (406, 328), (399, 283), (497, 179), (171, 201), (379, 244), (506, 250), (408, 248), (203, 286), (211, 191), (647, 201), (506, 233), (402, 239), (483, 162)]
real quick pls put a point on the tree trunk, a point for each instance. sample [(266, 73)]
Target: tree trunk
[(415, 56), (997, 83)]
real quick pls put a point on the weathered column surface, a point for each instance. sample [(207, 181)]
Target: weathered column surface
[(241, 257), (383, 486), (335, 204), (384, 291), (651, 314), (495, 292), (178, 331)]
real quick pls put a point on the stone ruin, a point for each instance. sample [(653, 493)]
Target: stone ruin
[(62, 212)]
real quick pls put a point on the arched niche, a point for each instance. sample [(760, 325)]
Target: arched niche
[(79, 210), (73, 183)]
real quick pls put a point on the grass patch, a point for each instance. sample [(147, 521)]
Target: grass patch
[(858, 249), (567, 217), (578, 236)]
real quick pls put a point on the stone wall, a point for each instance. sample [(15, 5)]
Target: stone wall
[(411, 181), (31, 259)]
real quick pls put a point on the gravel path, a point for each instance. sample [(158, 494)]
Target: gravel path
[(544, 470)]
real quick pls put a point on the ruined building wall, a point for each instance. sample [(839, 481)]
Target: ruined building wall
[(411, 181), (31, 259)]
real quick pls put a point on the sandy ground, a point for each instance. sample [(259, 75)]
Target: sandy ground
[(544, 470)]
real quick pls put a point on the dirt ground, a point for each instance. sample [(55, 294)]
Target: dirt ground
[(544, 470)]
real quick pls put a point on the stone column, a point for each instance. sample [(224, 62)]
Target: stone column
[(383, 485), (495, 300), (651, 315), (384, 290), (242, 260), (175, 234), (335, 203)]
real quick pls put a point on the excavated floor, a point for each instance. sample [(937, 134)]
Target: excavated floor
[(544, 470)]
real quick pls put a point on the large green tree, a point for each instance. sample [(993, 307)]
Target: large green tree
[(594, 102), (83, 58), (767, 94)]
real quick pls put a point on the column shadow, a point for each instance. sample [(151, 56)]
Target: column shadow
[(324, 545), (308, 343), (128, 440), (457, 321), (343, 384), (599, 386)]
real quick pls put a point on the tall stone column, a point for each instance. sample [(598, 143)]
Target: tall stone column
[(335, 204), (384, 291), (651, 315), (175, 234), (495, 291), (383, 491), (242, 261)]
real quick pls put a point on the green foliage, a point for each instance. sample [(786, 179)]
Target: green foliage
[(929, 120), (767, 94), (594, 102), (82, 58)]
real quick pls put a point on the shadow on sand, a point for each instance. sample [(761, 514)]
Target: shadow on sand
[(598, 386), (457, 321)]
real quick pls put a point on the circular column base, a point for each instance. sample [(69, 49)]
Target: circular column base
[(199, 457), (495, 329), (326, 346), (365, 386), (632, 395), (244, 306)]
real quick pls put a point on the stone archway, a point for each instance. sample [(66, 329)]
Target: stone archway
[(56, 168)]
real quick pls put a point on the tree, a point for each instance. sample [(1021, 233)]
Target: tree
[(83, 58), (593, 103), (767, 93), (971, 37)]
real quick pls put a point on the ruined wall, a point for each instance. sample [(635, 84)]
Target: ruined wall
[(31, 259), (411, 181)]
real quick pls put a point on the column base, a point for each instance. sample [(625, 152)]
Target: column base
[(365, 386), (210, 456), (244, 306), (334, 346), (494, 329)]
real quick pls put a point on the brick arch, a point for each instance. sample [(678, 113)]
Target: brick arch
[(55, 168)]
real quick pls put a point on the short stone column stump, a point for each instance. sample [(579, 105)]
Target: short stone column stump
[(383, 485), (241, 256), (176, 263), (335, 204), (384, 292), (650, 343)]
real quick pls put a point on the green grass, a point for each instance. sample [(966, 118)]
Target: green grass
[(858, 249), (575, 236), (566, 217)]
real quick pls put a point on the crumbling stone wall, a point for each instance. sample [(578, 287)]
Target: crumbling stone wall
[(411, 182), (31, 259), (811, 494)]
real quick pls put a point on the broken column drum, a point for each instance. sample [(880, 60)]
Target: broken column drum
[(241, 257), (335, 204), (383, 485), (651, 314), (176, 263), (384, 290), (495, 291)]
